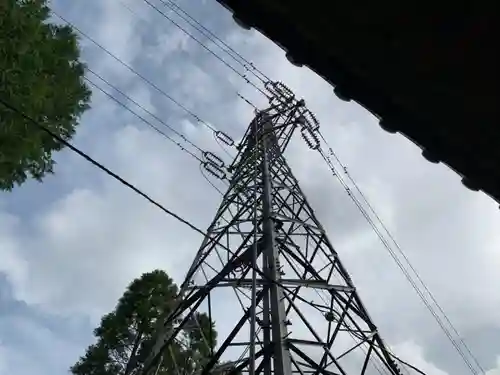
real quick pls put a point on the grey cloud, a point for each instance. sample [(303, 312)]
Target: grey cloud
[(26, 351), (100, 236)]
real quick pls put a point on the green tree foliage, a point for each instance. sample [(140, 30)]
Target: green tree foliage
[(40, 75), (130, 329)]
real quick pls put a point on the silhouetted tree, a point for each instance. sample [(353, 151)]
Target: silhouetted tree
[(129, 330)]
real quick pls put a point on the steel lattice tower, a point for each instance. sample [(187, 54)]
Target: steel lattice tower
[(267, 274)]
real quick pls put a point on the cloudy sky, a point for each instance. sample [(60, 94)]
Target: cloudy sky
[(69, 246)]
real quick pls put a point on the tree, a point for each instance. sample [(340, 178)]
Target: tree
[(41, 76), (129, 329)]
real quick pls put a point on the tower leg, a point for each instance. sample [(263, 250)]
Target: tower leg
[(281, 354)]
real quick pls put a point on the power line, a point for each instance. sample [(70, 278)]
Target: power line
[(109, 172), (247, 101), (210, 182), (244, 77), (400, 265), (236, 56), (161, 91), (400, 250), (217, 133), (398, 262), (121, 92), (142, 119), (195, 62), (103, 168), (313, 131)]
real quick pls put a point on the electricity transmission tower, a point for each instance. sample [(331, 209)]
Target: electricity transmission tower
[(267, 274)]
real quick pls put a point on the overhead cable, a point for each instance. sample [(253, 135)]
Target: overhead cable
[(398, 262), (121, 92), (131, 69), (166, 136), (400, 250), (112, 174), (235, 55), (194, 61), (103, 168), (210, 182), (217, 133), (243, 76)]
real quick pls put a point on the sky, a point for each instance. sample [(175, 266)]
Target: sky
[(71, 245)]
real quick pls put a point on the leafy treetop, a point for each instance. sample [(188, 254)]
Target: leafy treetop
[(41, 76), (128, 332)]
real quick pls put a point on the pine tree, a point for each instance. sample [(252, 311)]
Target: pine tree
[(41, 76), (127, 332)]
